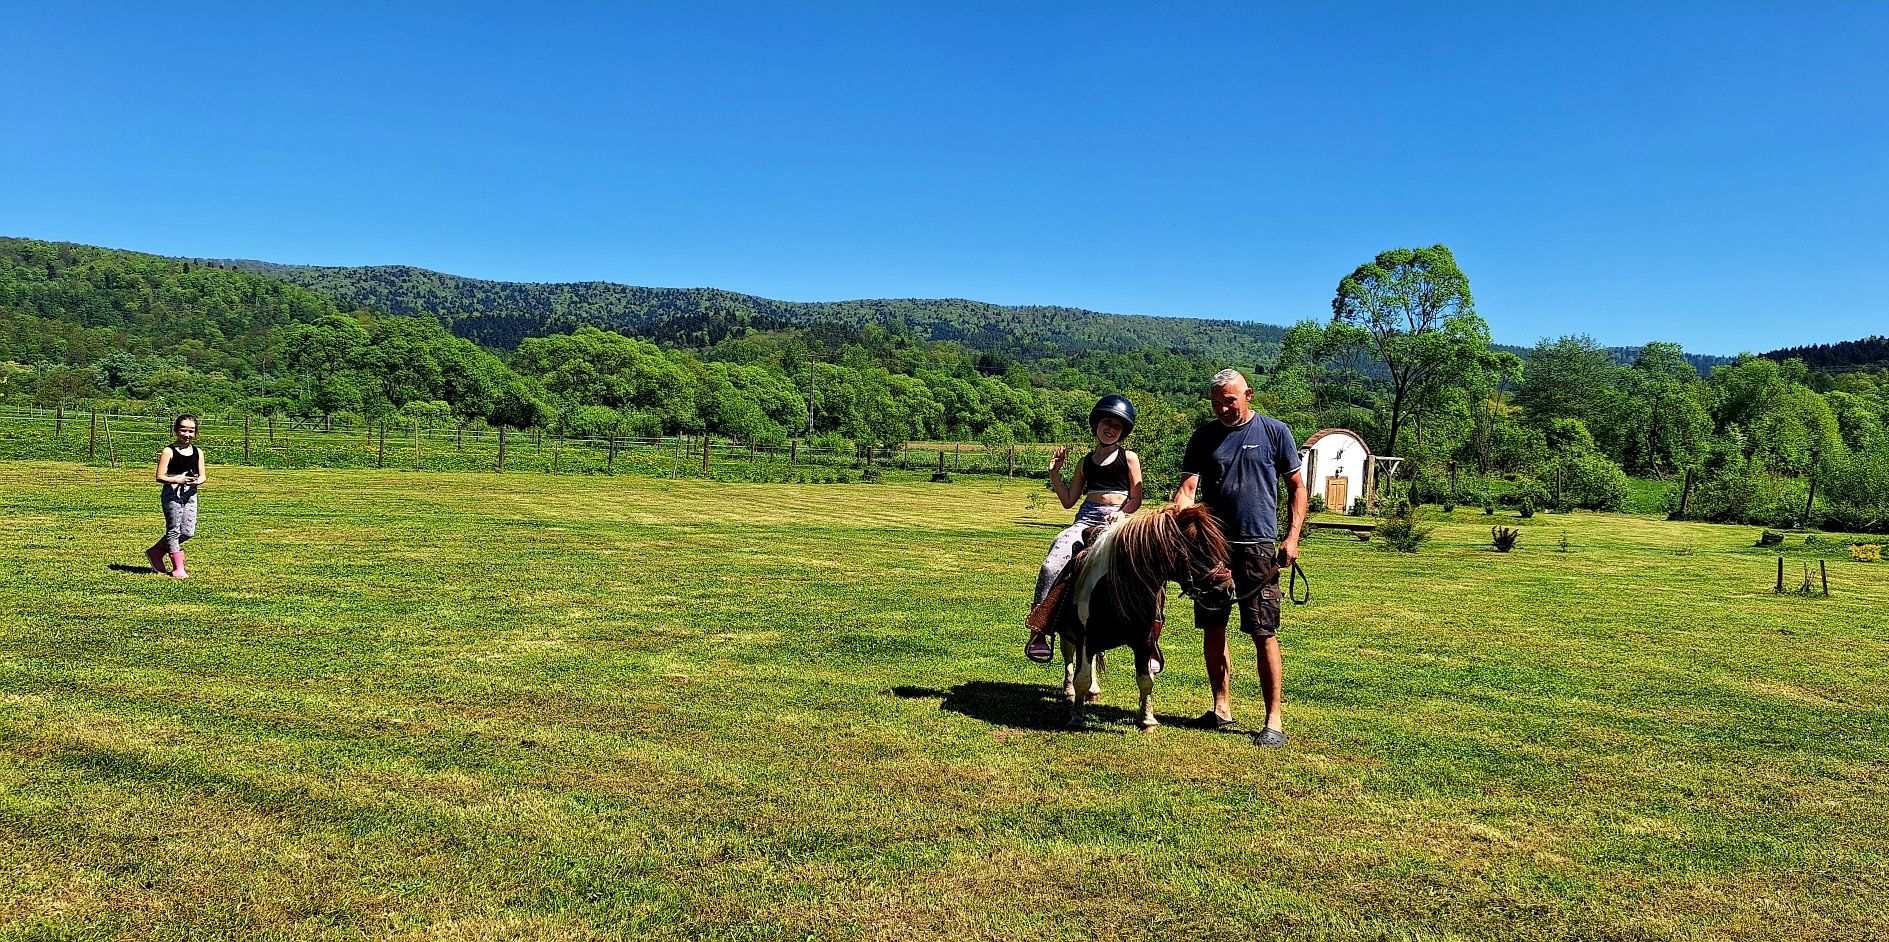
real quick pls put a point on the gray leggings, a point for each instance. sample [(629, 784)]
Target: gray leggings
[(180, 515), (1089, 515)]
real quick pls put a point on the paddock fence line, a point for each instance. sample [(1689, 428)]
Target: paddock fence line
[(107, 437)]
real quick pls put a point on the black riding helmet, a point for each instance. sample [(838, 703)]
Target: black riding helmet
[(1116, 406)]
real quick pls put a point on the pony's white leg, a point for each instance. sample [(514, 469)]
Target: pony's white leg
[(1084, 667), (1094, 687), (1146, 682), (1069, 670)]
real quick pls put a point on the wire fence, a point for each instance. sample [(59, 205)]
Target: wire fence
[(109, 438)]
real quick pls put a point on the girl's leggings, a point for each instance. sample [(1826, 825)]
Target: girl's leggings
[(180, 515), (1090, 514)]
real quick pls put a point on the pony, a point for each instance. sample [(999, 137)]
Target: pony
[(1116, 589)]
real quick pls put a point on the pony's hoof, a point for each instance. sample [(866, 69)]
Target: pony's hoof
[(1149, 722), (1092, 697), (1069, 695)]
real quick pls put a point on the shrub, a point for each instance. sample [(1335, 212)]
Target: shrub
[(1504, 537), (1401, 532), (941, 477), (1316, 504), (1526, 508), (871, 476), (1866, 552), (1358, 507)]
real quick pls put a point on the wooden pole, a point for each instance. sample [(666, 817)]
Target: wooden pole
[(58, 419), (1780, 575), (537, 438), (380, 452), (416, 445), (1813, 495), (1685, 494), (705, 447), (271, 428), (501, 448), (1010, 469), (793, 452), (245, 438), (557, 454), (91, 444), (1824, 572), (675, 470), (940, 461), (611, 462)]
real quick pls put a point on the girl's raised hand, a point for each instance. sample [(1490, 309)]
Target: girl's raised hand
[(1056, 458)]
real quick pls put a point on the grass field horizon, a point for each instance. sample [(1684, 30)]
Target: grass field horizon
[(465, 705)]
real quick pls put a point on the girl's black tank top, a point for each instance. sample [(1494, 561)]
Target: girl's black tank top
[(181, 463), (1105, 477)]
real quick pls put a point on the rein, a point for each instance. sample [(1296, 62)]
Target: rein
[(1191, 589)]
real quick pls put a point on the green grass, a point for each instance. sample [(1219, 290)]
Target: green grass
[(464, 705)]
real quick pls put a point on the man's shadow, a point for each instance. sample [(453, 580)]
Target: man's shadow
[(1026, 706)]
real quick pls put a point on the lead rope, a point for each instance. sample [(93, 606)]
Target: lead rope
[(1292, 585)]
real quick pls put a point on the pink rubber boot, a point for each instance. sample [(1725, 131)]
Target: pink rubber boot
[(155, 556), (177, 566)]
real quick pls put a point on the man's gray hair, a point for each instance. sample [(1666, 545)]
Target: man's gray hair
[(1225, 378)]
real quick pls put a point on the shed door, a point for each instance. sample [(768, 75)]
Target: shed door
[(1336, 493)]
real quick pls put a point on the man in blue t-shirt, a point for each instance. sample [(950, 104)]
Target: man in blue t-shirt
[(1234, 465)]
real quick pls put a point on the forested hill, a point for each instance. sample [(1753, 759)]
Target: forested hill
[(499, 314), (1703, 362), (1870, 353)]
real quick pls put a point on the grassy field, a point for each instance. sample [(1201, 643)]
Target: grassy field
[(477, 706)]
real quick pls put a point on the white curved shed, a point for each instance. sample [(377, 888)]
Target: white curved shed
[(1338, 467)]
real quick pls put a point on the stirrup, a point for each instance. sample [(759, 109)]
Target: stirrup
[(1039, 649)]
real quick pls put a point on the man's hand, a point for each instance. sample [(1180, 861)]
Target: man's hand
[(1289, 552)]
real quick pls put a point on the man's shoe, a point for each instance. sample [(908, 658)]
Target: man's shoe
[(1214, 721), (1271, 738)]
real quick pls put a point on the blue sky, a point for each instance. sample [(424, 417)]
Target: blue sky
[(1715, 174)]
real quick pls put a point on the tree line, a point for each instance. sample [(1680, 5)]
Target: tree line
[(1404, 359)]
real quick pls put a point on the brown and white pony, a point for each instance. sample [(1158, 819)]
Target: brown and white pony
[(1116, 594)]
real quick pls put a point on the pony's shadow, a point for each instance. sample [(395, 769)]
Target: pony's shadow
[(134, 570), (1023, 706)]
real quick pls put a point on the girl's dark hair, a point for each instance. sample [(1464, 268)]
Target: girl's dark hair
[(179, 423)]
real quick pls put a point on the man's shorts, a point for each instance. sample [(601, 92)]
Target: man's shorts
[(1256, 575)]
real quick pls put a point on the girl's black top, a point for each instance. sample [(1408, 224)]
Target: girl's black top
[(1105, 477), (181, 463)]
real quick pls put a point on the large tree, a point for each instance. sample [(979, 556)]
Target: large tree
[(1411, 308)]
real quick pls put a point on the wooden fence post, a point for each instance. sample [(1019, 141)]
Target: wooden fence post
[(245, 438), (59, 419), (416, 445), (1780, 575), (676, 469), (380, 452), (537, 440), (1824, 573), (957, 460), (610, 463), (793, 452), (1011, 470), (705, 447), (940, 461), (91, 444), (557, 454), (271, 428), (501, 448)]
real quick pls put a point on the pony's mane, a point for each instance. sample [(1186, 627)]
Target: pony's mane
[(1150, 549)]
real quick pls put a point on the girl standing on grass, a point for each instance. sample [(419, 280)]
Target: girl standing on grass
[(180, 468), (1109, 480)]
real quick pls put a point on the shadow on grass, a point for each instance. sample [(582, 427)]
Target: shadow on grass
[(134, 570), (1026, 706)]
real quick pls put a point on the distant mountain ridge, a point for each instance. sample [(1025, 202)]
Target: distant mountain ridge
[(499, 314)]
